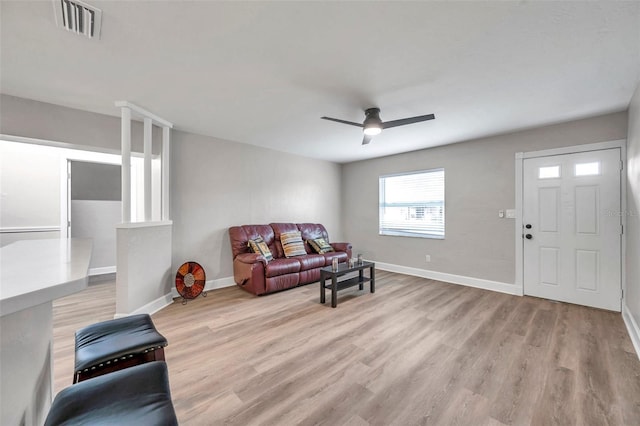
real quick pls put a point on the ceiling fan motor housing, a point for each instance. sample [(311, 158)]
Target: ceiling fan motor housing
[(372, 124), (372, 115)]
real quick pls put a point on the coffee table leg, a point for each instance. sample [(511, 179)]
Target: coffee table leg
[(322, 295), (360, 277), (372, 275), (334, 291)]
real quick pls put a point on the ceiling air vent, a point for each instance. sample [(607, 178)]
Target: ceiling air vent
[(78, 17)]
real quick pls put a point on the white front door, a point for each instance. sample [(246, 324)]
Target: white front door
[(572, 228)]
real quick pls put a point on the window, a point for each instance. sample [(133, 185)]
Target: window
[(412, 204), (549, 172), (587, 169)]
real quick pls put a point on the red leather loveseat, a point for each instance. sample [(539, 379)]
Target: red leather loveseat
[(254, 273)]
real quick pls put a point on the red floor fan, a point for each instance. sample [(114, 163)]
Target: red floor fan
[(190, 281)]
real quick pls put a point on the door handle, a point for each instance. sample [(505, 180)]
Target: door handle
[(528, 236)]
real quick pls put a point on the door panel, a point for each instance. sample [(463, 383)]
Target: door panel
[(587, 209), (548, 208), (549, 265), (587, 262), (572, 252)]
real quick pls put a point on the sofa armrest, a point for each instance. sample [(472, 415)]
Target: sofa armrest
[(345, 247), (248, 272), (342, 246), (250, 258)]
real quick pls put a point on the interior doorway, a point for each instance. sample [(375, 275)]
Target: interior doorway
[(94, 207)]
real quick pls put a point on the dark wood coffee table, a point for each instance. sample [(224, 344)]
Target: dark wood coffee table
[(343, 269)]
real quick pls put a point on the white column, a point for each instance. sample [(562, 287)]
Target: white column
[(166, 150), (126, 165), (147, 168)]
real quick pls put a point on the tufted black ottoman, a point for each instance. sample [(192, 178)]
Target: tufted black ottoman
[(139, 395), (116, 344)]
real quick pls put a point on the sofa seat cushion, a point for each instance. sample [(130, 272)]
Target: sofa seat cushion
[(311, 261), (281, 267), (342, 257)]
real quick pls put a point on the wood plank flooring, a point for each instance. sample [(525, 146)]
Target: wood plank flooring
[(417, 352)]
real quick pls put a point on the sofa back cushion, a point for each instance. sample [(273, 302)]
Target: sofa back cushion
[(278, 230), (240, 236), (311, 231)]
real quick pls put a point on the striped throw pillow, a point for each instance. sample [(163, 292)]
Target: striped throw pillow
[(320, 245), (292, 244), (258, 245)]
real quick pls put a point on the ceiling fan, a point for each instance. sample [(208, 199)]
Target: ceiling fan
[(373, 125)]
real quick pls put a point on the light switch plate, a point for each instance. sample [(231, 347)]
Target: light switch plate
[(511, 214), (500, 213)]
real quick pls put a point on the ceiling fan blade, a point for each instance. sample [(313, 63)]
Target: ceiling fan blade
[(404, 121), (342, 121), (366, 139)]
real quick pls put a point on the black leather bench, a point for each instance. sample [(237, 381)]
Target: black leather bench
[(116, 344), (139, 395)]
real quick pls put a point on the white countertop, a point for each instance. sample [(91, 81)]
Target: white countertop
[(38, 271)]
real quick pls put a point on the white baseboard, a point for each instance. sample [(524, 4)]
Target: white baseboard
[(151, 307), (164, 301), (632, 328), (454, 279), (210, 285), (102, 271)]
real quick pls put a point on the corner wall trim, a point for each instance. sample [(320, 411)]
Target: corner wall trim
[(210, 285), (632, 328), (453, 279)]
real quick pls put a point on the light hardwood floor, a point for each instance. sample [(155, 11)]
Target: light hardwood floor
[(416, 352)]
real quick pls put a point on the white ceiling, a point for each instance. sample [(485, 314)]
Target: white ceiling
[(264, 73)]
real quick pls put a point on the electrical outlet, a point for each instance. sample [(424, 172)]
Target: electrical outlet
[(427, 257)]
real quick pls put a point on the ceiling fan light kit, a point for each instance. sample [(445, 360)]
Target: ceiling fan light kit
[(373, 125), (372, 130)]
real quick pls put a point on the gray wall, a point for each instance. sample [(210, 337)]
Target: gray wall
[(39, 120), (217, 184), (479, 181), (95, 181), (632, 298)]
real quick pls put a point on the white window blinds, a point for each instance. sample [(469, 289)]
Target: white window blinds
[(412, 204)]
